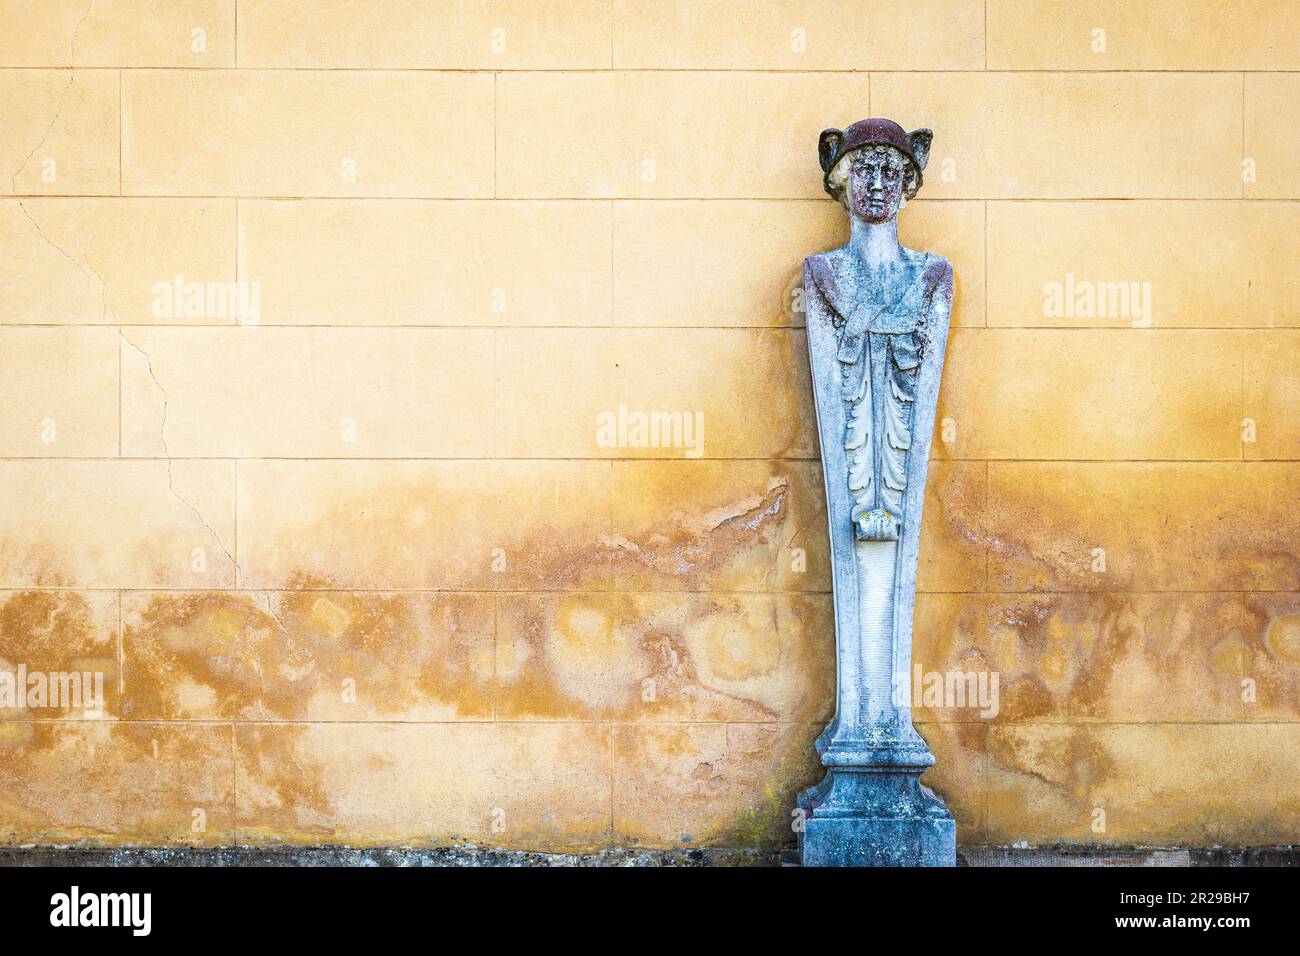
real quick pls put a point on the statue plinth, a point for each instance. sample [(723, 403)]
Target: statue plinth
[(877, 323), (875, 816)]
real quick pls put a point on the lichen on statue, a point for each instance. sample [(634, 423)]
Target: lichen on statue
[(881, 297), (877, 324)]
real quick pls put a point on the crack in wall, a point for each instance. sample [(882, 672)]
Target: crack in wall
[(162, 437), (63, 98), (91, 273), (88, 271)]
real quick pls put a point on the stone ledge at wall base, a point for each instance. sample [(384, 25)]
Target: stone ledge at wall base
[(972, 856), (379, 856)]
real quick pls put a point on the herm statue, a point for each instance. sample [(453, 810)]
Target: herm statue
[(877, 317)]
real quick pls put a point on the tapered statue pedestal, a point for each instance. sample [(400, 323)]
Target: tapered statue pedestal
[(877, 318)]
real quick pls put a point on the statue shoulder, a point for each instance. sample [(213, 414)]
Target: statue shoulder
[(939, 294), (937, 277), (822, 279), (939, 271), (824, 266)]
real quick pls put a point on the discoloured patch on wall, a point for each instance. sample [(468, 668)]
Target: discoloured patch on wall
[(1078, 657), (61, 631), (1162, 526), (710, 784), (307, 655), (1272, 655), (522, 786), (665, 657), (1157, 783), (116, 782), (425, 525)]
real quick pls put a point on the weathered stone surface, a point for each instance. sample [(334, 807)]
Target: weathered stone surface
[(664, 657), (1080, 657), (700, 784), (719, 526), (124, 33), (1272, 107), (109, 523), (294, 130), (958, 776), (60, 633), (1155, 35), (1157, 784), (469, 856), (515, 785), (1191, 411), (425, 525), (1271, 658), (307, 655), (327, 262), (1142, 526), (96, 261), (110, 783), (799, 35), (649, 254), (1272, 386), (994, 145), (68, 117), (954, 543)]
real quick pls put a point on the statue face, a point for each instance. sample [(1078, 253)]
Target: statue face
[(875, 183)]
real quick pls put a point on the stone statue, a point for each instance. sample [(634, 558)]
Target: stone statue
[(877, 317)]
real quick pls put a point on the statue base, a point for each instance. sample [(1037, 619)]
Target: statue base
[(875, 816)]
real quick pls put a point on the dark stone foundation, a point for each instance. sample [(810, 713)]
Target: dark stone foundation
[(976, 856)]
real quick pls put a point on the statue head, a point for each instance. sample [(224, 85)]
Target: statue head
[(873, 167)]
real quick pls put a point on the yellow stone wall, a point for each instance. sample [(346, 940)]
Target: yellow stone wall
[(358, 568)]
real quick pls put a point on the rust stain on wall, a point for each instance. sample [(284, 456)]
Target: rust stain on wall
[(307, 655), (57, 633)]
